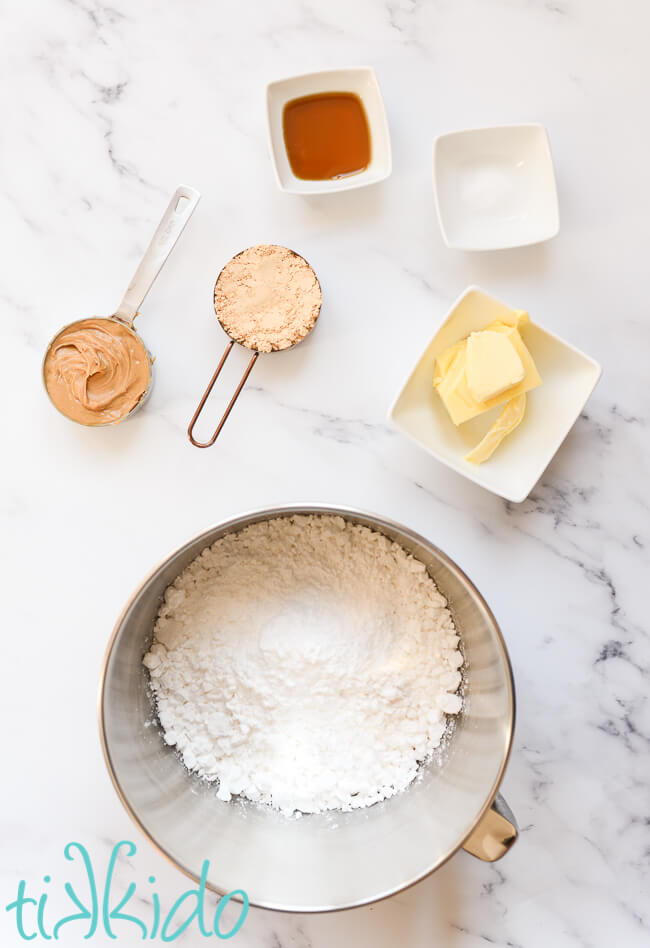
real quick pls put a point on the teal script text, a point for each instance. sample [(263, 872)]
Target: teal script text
[(97, 909)]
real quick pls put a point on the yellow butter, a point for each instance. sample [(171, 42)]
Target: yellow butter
[(509, 418), (492, 364), (450, 379)]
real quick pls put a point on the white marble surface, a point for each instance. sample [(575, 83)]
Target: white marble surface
[(106, 108)]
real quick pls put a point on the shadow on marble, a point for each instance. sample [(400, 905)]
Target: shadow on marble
[(362, 206), (425, 913), (495, 267)]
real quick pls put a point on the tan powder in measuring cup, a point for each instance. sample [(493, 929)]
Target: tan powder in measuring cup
[(267, 298)]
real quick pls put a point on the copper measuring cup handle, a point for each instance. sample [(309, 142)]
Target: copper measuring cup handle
[(224, 417)]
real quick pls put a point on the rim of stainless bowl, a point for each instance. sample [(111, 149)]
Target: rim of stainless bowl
[(143, 398), (238, 522)]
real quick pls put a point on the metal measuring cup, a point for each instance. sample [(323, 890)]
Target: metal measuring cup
[(171, 226), (249, 367)]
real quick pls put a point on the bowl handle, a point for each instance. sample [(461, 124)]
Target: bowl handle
[(495, 834)]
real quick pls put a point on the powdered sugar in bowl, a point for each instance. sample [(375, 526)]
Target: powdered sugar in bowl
[(307, 663), (328, 860)]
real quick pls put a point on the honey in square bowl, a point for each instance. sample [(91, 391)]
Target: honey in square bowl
[(326, 136), (359, 82)]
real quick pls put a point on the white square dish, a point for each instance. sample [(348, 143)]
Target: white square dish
[(495, 187), (568, 379), (361, 81)]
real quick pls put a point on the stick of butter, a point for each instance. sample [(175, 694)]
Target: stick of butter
[(492, 364), (497, 382), (509, 418)]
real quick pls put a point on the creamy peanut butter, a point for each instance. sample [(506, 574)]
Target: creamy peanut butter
[(96, 371)]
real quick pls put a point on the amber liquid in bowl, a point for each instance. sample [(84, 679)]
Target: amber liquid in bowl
[(326, 136)]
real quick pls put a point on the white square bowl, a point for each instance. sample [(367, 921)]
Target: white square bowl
[(495, 187), (361, 81), (568, 379)]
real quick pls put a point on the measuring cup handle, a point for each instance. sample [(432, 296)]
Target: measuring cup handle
[(224, 417), (178, 213)]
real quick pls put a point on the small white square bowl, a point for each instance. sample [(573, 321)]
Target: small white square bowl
[(361, 81), (495, 187), (568, 379)]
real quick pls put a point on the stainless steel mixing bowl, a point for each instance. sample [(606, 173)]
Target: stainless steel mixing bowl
[(327, 861)]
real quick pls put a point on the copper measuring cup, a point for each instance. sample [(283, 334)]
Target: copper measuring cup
[(178, 212), (249, 367)]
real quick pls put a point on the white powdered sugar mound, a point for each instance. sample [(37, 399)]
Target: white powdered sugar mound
[(305, 662)]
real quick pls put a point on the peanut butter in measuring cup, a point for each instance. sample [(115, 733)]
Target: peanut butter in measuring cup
[(98, 371)]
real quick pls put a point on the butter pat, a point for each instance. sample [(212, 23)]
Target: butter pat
[(492, 365), (451, 373), (510, 417)]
